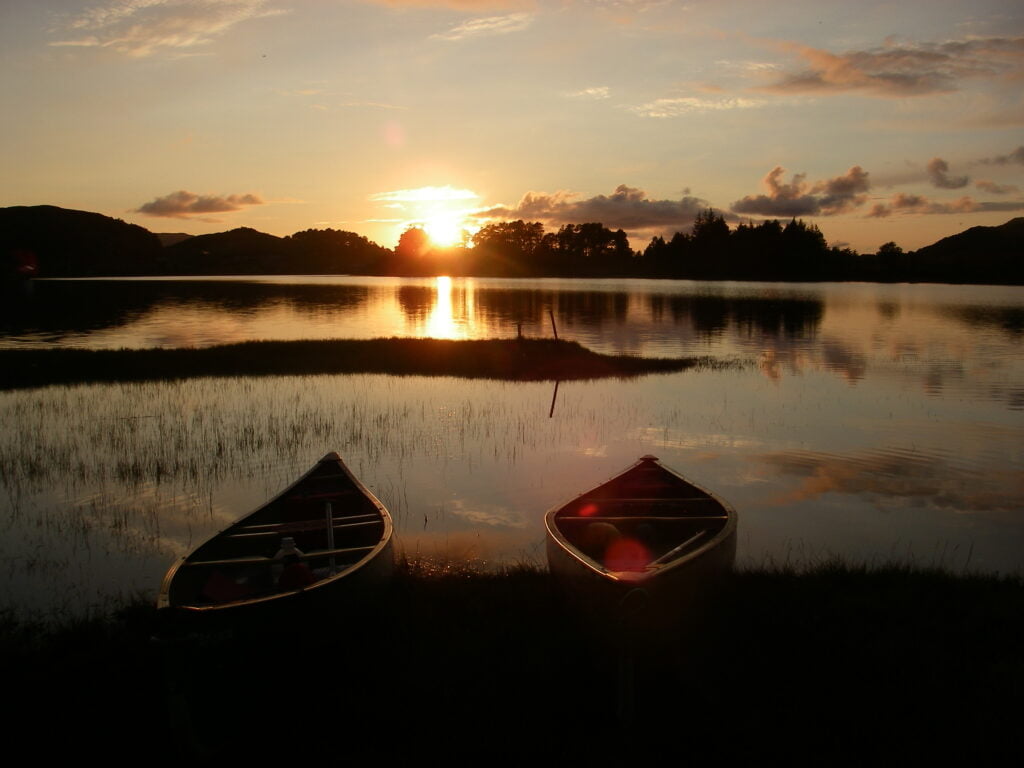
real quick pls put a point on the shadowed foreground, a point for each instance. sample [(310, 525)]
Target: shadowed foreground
[(505, 359), (841, 665)]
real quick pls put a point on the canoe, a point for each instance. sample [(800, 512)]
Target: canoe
[(342, 540), (647, 536)]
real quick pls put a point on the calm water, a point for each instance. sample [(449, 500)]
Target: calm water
[(875, 422)]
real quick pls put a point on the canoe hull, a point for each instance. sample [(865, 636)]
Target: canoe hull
[(235, 576), (656, 596)]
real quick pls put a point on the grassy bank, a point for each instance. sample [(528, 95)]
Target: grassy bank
[(839, 665), (505, 359)]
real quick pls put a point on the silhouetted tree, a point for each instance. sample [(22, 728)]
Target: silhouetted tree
[(511, 248)]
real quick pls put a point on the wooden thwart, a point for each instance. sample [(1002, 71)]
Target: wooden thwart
[(286, 528), (271, 560), (307, 525), (637, 518)]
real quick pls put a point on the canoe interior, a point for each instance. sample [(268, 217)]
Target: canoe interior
[(237, 565), (643, 519)]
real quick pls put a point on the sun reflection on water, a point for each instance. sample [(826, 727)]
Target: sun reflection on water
[(442, 323)]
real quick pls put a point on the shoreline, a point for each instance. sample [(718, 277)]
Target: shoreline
[(841, 663)]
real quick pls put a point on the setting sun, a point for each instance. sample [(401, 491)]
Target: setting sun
[(444, 231)]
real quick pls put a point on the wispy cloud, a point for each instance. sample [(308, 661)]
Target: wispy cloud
[(183, 204), (800, 198), (463, 5), (487, 26), (596, 93), (919, 204), (141, 28), (1014, 158), (446, 193), (627, 208), (996, 189), (902, 69), (686, 105), (938, 173)]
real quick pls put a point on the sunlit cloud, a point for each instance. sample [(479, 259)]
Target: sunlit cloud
[(596, 93), (463, 5), (488, 26), (919, 204), (183, 204), (938, 173), (800, 198), (626, 208), (425, 194), (996, 189), (141, 28), (901, 69), (685, 105)]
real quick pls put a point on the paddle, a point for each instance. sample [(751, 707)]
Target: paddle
[(676, 550)]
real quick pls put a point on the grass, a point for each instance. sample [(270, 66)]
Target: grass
[(840, 664), (504, 359)]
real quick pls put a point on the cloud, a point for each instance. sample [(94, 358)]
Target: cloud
[(626, 208), (597, 92), (1016, 157), (182, 204), (686, 105), (938, 173), (902, 69), (487, 26), (799, 198), (996, 189), (141, 28), (918, 204), (425, 194), (462, 5)]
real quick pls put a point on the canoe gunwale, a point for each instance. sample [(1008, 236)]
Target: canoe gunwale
[(384, 543)]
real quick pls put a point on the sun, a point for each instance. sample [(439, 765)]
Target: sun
[(444, 230)]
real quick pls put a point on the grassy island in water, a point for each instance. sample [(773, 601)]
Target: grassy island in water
[(504, 359)]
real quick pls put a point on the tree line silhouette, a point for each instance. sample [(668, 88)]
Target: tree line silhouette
[(78, 243), (770, 250)]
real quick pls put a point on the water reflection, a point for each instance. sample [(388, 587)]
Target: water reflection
[(879, 421)]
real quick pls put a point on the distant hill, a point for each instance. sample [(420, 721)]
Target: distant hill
[(978, 255), (245, 251), (70, 243), (241, 251), (171, 238)]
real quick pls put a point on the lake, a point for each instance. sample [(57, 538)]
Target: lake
[(872, 422)]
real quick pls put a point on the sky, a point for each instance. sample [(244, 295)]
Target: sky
[(877, 121)]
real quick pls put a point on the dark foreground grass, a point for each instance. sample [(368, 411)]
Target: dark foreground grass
[(506, 359), (840, 665)]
